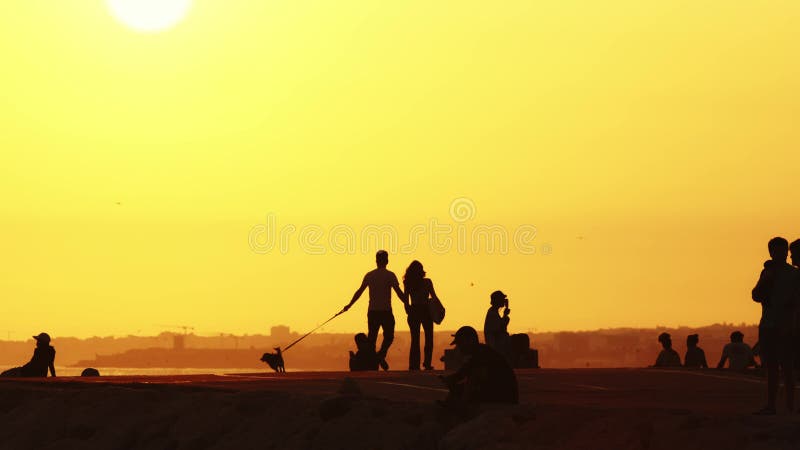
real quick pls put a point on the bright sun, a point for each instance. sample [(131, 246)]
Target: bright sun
[(149, 15)]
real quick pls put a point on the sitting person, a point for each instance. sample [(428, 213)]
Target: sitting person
[(44, 357), (738, 353), (365, 358), (695, 356), (495, 326), (485, 377), (668, 357)]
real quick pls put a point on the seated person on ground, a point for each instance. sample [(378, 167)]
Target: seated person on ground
[(44, 357), (738, 353), (668, 357), (695, 356), (485, 376), (365, 358)]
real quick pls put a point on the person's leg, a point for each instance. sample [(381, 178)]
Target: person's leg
[(427, 325), (387, 323), (770, 358), (373, 324), (787, 366), (413, 327)]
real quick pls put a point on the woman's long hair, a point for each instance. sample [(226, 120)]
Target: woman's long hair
[(414, 276)]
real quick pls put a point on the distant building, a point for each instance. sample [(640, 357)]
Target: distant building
[(280, 333)]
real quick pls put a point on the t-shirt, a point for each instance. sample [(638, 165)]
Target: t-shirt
[(668, 358), (695, 357), (495, 330), (739, 354), (380, 282), (777, 291)]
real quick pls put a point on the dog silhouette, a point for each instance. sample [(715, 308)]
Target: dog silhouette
[(274, 360)]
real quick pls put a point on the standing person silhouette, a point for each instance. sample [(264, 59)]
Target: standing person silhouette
[(777, 291), (379, 313), (495, 327), (794, 248), (419, 292)]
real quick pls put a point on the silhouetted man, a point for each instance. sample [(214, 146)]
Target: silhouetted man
[(695, 356), (379, 314), (668, 357), (794, 248), (365, 357), (44, 357), (485, 377), (740, 354), (777, 291)]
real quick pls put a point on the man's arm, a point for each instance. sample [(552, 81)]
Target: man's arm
[(763, 286), (357, 294), (724, 358), (400, 294)]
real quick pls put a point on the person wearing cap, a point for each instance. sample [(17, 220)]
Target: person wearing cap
[(739, 354), (44, 357), (495, 326), (668, 357), (485, 377), (695, 356)]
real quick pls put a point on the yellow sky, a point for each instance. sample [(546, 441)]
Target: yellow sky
[(653, 145)]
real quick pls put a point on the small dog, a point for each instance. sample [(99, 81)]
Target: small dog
[(274, 360)]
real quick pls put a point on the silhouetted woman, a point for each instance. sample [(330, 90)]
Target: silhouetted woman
[(419, 291), (44, 357)]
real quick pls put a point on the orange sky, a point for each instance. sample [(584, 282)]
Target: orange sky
[(652, 147)]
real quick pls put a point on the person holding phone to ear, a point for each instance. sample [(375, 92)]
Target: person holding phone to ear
[(495, 327)]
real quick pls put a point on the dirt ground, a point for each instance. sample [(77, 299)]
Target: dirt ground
[(571, 409)]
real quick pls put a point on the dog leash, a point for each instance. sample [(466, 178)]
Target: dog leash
[(310, 332)]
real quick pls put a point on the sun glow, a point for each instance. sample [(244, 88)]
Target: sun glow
[(149, 15)]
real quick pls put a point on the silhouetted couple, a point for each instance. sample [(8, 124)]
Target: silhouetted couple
[(778, 292), (44, 357), (417, 298)]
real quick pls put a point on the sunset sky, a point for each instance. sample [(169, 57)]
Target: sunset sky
[(652, 145)]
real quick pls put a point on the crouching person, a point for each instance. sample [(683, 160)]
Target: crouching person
[(365, 358), (485, 377)]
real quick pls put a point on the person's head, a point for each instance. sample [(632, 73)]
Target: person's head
[(42, 340), (692, 340), (361, 340), (415, 273), (794, 247), (778, 248), (382, 258), (665, 339), (466, 340), (498, 299), (737, 336)]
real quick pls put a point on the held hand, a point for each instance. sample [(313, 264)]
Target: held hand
[(346, 307), (506, 312)]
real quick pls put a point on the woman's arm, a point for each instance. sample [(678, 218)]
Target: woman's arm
[(431, 291)]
